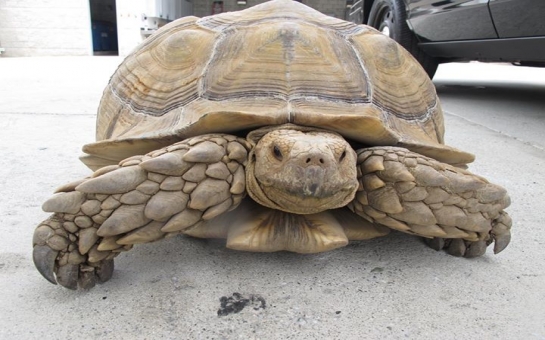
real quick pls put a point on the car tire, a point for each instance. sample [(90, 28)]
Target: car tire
[(390, 17)]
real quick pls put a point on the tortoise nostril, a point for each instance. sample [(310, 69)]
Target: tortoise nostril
[(316, 160)]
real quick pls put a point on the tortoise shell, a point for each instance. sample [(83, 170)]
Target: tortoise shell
[(275, 63)]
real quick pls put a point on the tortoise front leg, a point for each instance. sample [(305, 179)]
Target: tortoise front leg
[(143, 199), (451, 207)]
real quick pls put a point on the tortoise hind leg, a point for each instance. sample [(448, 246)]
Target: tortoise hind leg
[(455, 209), (143, 199)]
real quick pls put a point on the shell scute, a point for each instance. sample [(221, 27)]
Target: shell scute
[(275, 63)]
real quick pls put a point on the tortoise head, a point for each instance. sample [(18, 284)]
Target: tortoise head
[(301, 170)]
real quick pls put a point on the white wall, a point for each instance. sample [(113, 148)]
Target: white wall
[(129, 20), (63, 27), (187, 7), (45, 27), (130, 13)]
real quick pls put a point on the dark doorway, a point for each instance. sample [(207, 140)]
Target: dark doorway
[(104, 27)]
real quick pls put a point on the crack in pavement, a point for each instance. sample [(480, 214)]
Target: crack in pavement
[(539, 147)]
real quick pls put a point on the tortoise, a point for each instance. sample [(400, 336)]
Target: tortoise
[(277, 128)]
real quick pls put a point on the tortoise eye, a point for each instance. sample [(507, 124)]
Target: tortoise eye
[(343, 155), (277, 153)]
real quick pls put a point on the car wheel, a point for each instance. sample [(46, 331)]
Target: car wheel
[(389, 17)]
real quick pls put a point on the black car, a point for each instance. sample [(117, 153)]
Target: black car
[(459, 30)]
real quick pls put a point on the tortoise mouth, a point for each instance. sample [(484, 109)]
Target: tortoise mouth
[(309, 199)]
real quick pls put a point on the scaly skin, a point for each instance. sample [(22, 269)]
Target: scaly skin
[(302, 170), (451, 207), (182, 188), (143, 199)]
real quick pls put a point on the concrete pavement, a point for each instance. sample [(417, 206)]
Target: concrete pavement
[(388, 288)]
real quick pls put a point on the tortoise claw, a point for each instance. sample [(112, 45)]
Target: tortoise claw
[(457, 247), (501, 241), (98, 273), (105, 271), (67, 276), (475, 249), (436, 243), (87, 279), (44, 260), (501, 232)]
